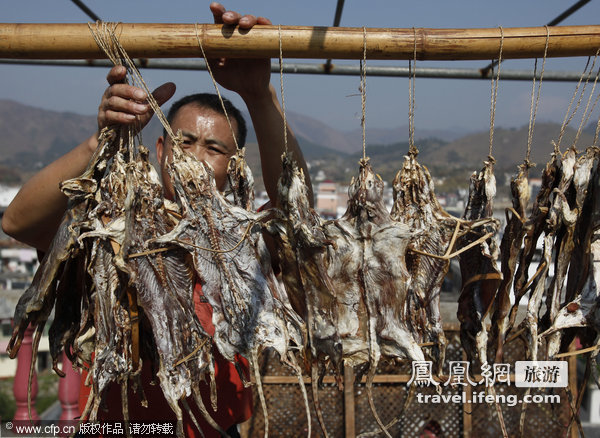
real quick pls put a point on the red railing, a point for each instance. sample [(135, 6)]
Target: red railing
[(68, 386), (21, 384)]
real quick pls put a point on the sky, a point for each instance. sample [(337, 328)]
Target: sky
[(335, 100)]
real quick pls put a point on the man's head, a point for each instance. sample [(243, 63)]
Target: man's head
[(206, 134), (212, 101)]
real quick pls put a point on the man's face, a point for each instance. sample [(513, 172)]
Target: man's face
[(206, 135)]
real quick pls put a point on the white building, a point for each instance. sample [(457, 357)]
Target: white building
[(327, 199), (18, 260), (7, 194)]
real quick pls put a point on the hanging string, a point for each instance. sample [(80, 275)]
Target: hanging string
[(285, 136), (105, 32), (101, 35), (495, 95), (532, 111), (534, 108), (412, 150), (363, 93), (598, 124), (568, 117), (596, 133), (106, 38), (588, 112), (212, 77)]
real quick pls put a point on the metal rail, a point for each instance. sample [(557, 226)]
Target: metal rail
[(336, 22), (316, 69)]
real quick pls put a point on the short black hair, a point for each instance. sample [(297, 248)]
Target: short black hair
[(211, 101)]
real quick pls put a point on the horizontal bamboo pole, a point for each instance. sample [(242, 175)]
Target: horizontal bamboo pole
[(154, 40)]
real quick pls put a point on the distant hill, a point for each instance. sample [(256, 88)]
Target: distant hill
[(387, 159), (315, 132), (509, 147), (33, 137), (400, 134), (451, 162)]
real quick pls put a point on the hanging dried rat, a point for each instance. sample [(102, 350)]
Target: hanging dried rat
[(562, 219), (112, 361), (577, 244), (36, 303), (435, 233), (164, 283), (581, 310), (301, 245), (233, 267), (416, 206), (535, 226), (583, 184), (368, 266), (510, 249), (480, 275), (241, 181)]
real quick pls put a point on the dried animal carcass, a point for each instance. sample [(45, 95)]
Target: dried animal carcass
[(561, 224), (510, 249), (241, 181), (161, 284), (128, 293), (580, 253), (301, 244), (367, 263), (112, 362), (581, 311), (370, 247), (583, 185), (64, 254), (416, 206), (480, 275), (114, 207), (535, 226), (250, 308), (556, 213)]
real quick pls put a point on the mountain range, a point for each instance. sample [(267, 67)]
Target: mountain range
[(33, 137)]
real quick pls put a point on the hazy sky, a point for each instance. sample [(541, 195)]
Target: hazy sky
[(440, 103)]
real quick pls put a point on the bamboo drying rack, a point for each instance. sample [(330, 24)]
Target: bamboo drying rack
[(161, 40)]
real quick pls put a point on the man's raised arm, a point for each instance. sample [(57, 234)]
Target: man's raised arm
[(250, 78), (34, 216)]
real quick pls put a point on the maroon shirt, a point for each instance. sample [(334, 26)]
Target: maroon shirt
[(234, 402)]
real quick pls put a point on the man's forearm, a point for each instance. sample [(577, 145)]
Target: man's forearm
[(34, 215), (267, 119)]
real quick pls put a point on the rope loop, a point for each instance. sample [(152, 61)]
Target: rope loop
[(412, 149), (534, 107), (363, 93), (285, 136), (495, 93)]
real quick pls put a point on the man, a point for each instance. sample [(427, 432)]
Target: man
[(35, 214)]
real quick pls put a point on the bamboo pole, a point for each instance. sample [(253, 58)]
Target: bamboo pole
[(161, 40)]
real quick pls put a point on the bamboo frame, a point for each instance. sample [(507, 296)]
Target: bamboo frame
[(162, 40)]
